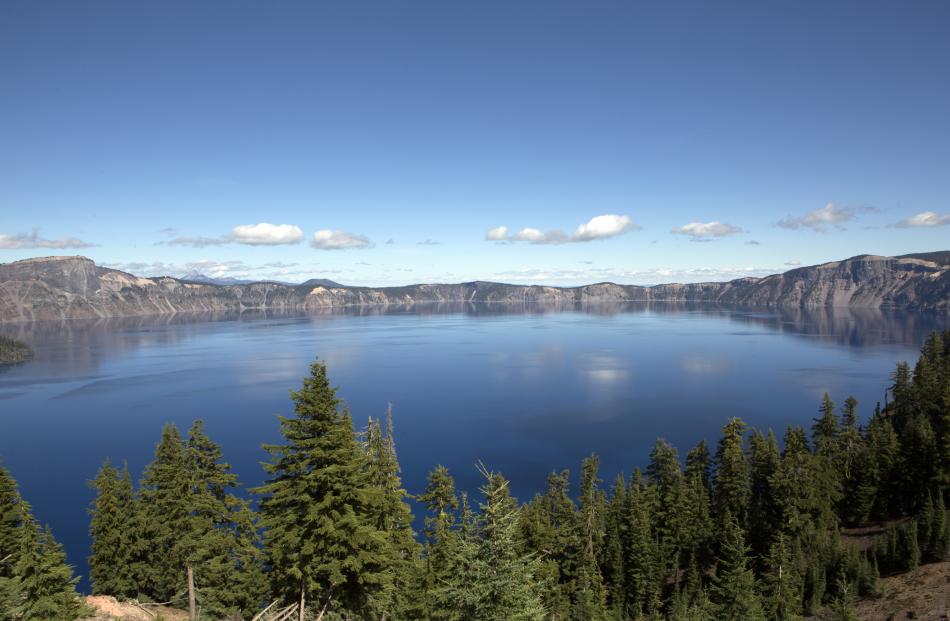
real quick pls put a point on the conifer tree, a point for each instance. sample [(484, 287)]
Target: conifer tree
[(614, 562), (163, 519), (590, 598), (393, 515), (496, 581), (218, 542), (698, 463), (732, 474), (110, 565), (782, 581), (734, 593), (441, 503), (45, 583), (318, 509), (15, 524), (764, 509)]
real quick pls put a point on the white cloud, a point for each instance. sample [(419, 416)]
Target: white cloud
[(266, 234), (752, 242), (598, 227), (428, 242), (499, 233), (793, 263), (22, 241), (704, 231), (924, 219), (326, 239), (602, 227), (819, 219)]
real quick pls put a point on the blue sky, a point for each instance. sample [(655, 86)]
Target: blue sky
[(639, 142)]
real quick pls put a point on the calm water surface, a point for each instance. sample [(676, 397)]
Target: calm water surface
[(525, 392)]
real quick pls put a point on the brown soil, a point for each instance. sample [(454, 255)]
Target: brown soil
[(922, 594), (109, 609)]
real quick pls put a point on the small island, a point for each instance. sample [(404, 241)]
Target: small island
[(12, 351)]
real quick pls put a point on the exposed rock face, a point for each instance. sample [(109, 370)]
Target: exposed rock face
[(74, 287)]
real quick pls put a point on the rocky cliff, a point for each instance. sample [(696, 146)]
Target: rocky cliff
[(74, 287)]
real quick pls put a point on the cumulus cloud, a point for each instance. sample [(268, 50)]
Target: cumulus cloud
[(793, 263), (266, 234), (22, 241), (326, 239), (706, 231), (598, 227), (499, 233), (602, 227), (260, 234), (924, 219), (820, 219)]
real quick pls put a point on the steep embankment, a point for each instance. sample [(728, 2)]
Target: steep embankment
[(74, 287)]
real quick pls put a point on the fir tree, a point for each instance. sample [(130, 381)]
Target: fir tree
[(734, 593), (15, 524), (782, 582), (496, 581), (441, 503), (218, 543), (732, 474), (110, 566), (590, 598), (162, 520), (318, 509), (45, 583), (393, 516)]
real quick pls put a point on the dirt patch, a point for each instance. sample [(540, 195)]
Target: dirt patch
[(922, 594), (108, 608)]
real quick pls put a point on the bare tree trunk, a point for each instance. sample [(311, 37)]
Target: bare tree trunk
[(324, 609), (303, 602), (192, 604)]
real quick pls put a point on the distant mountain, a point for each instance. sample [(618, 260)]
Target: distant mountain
[(73, 287), (321, 282), (210, 280)]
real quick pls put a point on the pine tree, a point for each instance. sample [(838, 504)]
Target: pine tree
[(782, 582), (613, 567), (590, 597), (392, 515), (441, 503), (45, 582), (318, 509), (732, 474), (218, 543), (162, 519), (110, 566), (699, 464), (764, 509), (734, 593), (496, 582), (15, 533)]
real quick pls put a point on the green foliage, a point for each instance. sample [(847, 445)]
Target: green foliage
[(12, 351), (495, 580), (110, 528), (735, 591), (320, 510)]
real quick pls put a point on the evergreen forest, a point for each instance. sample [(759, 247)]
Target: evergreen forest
[(752, 528)]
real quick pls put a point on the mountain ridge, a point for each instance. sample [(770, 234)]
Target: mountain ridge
[(64, 287)]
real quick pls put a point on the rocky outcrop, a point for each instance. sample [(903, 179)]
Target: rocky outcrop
[(74, 287)]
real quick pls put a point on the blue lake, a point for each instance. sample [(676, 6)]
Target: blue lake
[(526, 392)]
